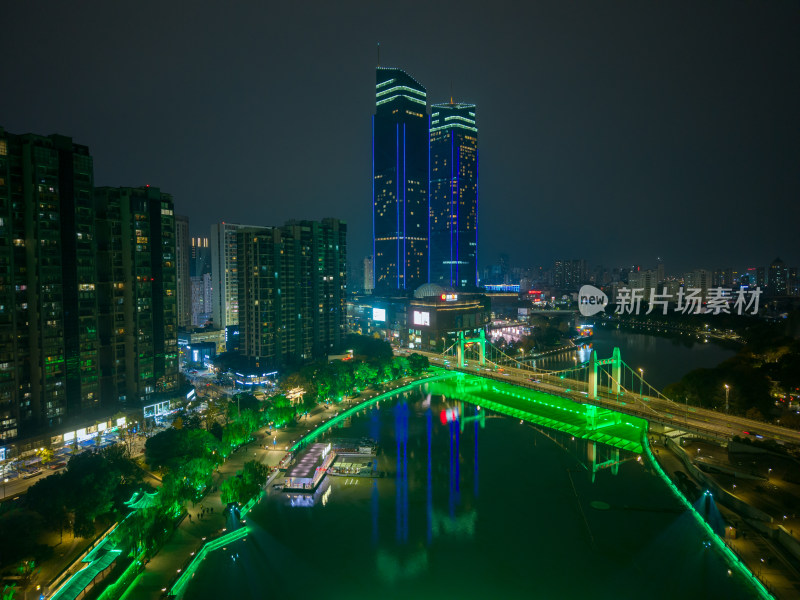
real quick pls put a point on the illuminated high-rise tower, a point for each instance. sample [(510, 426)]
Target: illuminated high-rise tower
[(400, 181), (453, 195)]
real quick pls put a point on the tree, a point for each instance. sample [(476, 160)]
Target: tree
[(369, 348), (48, 498), (755, 414), (418, 363), (216, 431), (45, 454), (400, 366), (164, 448)]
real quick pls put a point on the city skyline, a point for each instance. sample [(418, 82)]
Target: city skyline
[(692, 135)]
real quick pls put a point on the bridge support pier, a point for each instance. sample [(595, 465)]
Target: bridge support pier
[(616, 371), (592, 385)]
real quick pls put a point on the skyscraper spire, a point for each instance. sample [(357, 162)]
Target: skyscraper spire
[(379, 54)]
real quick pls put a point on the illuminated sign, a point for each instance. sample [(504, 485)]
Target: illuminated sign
[(121, 422), (155, 410), (422, 318), (449, 297), (379, 314), (102, 426)]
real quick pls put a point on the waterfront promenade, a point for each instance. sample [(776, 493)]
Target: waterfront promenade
[(771, 565), (160, 572)]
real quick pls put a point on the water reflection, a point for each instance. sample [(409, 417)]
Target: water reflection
[(532, 517)]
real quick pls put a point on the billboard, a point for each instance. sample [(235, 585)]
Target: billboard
[(422, 318), (378, 314)]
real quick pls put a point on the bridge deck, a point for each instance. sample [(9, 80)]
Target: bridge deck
[(597, 424)]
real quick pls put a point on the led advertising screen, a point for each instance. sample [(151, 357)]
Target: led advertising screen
[(379, 314), (422, 318)]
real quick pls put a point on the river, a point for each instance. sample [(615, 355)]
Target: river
[(664, 360), (505, 511)]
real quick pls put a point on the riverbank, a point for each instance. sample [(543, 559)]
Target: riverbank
[(163, 570), (765, 545)]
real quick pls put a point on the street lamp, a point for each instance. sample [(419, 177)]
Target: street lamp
[(641, 381), (5, 481), (727, 393)]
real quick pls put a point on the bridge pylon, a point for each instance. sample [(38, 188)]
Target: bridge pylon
[(616, 372), (463, 341)]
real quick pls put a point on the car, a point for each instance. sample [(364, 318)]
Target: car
[(57, 466), (32, 474), (754, 434)]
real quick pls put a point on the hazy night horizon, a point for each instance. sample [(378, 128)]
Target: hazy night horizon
[(617, 133)]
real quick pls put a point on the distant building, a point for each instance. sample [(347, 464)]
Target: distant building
[(182, 262), (138, 283), (437, 314), (778, 284), (200, 257), (454, 195), (369, 274), (761, 278), (224, 273), (291, 291), (569, 275), (400, 181), (199, 336), (699, 279), (202, 300), (646, 280), (794, 282)]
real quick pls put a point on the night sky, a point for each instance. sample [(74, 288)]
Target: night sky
[(611, 131)]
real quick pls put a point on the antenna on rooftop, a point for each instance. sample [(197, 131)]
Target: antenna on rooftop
[(379, 54)]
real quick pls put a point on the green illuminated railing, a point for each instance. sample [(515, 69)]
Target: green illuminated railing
[(251, 503), (729, 555), (353, 410), (180, 585)]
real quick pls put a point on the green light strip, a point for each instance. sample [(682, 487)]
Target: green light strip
[(729, 555), (180, 585), (400, 88), (460, 118), (351, 411), (383, 83), (452, 126), (113, 588), (251, 503), (385, 100)]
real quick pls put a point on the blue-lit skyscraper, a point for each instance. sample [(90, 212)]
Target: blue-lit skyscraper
[(400, 181), (453, 195)]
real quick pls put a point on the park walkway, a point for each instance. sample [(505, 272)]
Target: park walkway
[(188, 537)]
